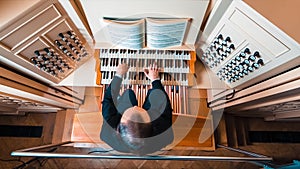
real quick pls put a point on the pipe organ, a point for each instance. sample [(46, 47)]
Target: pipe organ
[(176, 70)]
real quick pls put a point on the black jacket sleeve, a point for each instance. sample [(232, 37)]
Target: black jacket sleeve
[(164, 121), (111, 117), (162, 125), (109, 110)]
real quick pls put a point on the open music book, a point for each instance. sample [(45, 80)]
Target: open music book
[(147, 32)]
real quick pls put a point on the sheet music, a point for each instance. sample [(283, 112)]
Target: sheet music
[(128, 34), (163, 33), (154, 33)]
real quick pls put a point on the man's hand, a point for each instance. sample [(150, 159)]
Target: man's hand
[(152, 72), (122, 69)]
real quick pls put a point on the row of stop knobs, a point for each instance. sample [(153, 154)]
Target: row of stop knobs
[(49, 61), (218, 51), (240, 66), (71, 46)]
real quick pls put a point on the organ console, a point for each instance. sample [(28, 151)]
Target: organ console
[(176, 68)]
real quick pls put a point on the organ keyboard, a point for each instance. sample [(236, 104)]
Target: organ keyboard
[(176, 69)]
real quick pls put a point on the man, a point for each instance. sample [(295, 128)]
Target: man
[(132, 129)]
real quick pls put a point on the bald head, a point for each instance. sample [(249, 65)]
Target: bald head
[(135, 114), (134, 127)]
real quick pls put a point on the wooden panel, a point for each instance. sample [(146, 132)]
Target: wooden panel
[(191, 139), (267, 88), (87, 127), (197, 93), (31, 27), (14, 89), (63, 126), (193, 132), (36, 88), (193, 106), (98, 67), (28, 52), (243, 21), (264, 94), (75, 91), (198, 107), (18, 105)]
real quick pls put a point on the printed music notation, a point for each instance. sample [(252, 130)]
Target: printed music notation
[(156, 33)]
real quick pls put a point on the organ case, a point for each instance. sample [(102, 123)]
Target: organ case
[(244, 48), (44, 43)]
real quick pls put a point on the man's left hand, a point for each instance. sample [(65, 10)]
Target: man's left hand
[(122, 69)]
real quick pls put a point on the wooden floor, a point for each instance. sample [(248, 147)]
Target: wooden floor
[(283, 153)]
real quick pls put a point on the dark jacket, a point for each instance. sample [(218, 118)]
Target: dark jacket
[(161, 126)]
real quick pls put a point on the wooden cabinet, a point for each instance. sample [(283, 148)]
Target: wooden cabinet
[(18, 105), (45, 42), (244, 48), (276, 98), (20, 87), (257, 33)]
